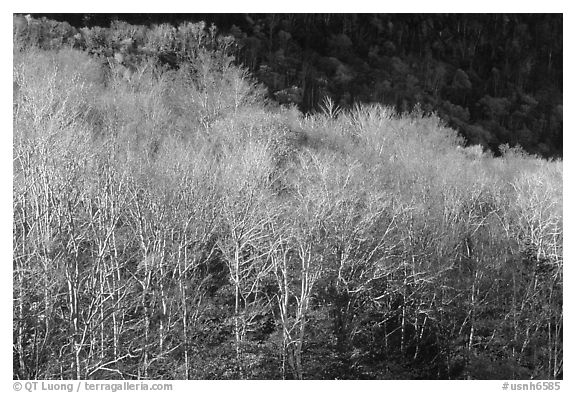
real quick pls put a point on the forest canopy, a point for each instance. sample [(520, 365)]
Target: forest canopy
[(175, 217), (496, 78)]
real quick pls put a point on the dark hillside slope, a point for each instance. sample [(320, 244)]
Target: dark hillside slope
[(496, 78)]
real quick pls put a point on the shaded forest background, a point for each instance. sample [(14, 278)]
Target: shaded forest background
[(496, 78)]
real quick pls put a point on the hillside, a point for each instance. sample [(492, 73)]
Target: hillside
[(172, 222), (495, 78)]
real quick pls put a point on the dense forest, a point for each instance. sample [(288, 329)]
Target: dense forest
[(178, 215), (496, 78)]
